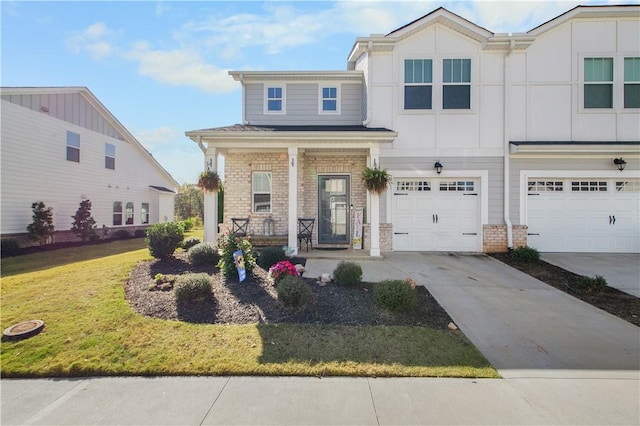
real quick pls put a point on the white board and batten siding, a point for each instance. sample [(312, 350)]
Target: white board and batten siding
[(35, 166)]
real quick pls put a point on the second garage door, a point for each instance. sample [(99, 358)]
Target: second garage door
[(435, 215)]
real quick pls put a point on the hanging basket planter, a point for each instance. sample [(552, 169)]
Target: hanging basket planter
[(209, 181), (376, 180)]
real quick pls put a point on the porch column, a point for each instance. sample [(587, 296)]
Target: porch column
[(374, 210), (293, 199), (211, 200)]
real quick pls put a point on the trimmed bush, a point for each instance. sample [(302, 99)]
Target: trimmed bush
[(9, 247), (347, 273), (123, 234), (187, 224), (192, 286), (203, 254), (395, 295), (190, 242), (293, 292), (526, 254), (229, 244), (163, 239), (597, 283), (269, 256)]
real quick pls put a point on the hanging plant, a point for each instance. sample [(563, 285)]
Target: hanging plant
[(376, 180), (209, 181)]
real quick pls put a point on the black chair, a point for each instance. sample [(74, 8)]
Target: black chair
[(305, 232), (240, 226)]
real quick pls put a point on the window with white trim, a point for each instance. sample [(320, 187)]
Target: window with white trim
[(413, 185), (632, 82), (598, 83), (456, 84), (274, 99), (628, 186), (73, 147), (457, 185), (128, 212), (546, 186), (418, 83), (329, 99), (117, 213), (109, 156), (261, 192), (588, 186), (144, 214)]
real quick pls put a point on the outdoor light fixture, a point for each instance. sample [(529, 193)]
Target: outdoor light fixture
[(438, 167), (620, 163)]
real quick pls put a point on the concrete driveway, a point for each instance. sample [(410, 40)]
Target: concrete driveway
[(621, 270)]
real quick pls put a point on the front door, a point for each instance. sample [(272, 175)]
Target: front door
[(333, 209)]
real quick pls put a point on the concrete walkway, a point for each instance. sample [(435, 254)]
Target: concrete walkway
[(562, 362), (621, 270)]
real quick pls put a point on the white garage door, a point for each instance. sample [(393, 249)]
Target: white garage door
[(435, 215), (584, 215)]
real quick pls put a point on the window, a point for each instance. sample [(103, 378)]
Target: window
[(598, 82), (456, 88), (129, 213), (589, 186), (109, 156), (418, 83), (117, 213), (275, 99), (73, 147), (456, 185), (144, 214), (329, 101), (413, 185), (632, 82), (261, 189), (545, 186)]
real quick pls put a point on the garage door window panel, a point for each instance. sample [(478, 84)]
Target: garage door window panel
[(545, 186), (588, 186), (410, 185)]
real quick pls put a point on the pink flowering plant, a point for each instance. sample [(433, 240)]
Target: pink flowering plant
[(281, 270)]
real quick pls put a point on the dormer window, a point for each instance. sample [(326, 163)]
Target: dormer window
[(274, 100), (329, 99)]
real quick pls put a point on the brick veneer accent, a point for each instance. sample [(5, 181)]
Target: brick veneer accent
[(386, 237), (495, 238)]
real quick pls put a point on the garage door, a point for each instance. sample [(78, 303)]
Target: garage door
[(435, 215), (584, 215)]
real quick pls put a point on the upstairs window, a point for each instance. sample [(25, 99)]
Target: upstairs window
[(109, 156), (418, 83), (73, 147), (329, 101), (275, 99), (144, 214), (117, 213), (456, 87), (632, 82), (598, 82), (261, 191), (129, 213)]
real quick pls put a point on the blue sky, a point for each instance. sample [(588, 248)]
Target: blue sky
[(161, 67)]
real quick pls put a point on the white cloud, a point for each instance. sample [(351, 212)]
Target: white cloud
[(95, 40)]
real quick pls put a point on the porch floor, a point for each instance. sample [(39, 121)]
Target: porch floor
[(342, 254)]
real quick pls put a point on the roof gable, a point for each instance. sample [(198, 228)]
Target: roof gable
[(446, 18), (581, 12)]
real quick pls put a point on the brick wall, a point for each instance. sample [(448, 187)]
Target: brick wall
[(386, 237), (495, 238)]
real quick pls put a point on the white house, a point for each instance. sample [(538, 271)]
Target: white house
[(60, 145), (529, 133)]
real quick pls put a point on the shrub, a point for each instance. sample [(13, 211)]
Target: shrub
[(9, 247), (203, 254), (281, 270), (41, 229), (395, 295), (163, 239), (162, 282), (228, 244), (293, 292), (526, 254), (139, 233), (192, 286), (83, 225), (347, 273), (597, 283), (190, 242), (187, 224), (269, 256), (123, 234)]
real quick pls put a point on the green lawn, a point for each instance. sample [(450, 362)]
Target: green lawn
[(90, 330)]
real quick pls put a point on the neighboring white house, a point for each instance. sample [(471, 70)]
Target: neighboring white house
[(527, 129), (60, 145)]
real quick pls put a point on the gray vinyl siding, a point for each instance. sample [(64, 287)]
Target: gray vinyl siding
[(70, 107), (554, 165), (494, 166), (301, 106)]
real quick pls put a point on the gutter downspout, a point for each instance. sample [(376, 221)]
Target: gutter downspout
[(244, 113), (366, 121), (505, 120), (199, 142)]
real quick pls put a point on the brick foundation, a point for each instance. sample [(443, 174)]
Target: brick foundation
[(386, 237), (495, 238)]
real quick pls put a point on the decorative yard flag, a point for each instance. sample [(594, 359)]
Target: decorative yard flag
[(357, 228), (238, 258)]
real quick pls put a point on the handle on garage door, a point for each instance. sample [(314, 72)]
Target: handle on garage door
[(612, 220)]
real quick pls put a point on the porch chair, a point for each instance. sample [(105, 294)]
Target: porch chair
[(240, 226), (305, 232)]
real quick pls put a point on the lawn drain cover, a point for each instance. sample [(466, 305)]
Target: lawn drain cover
[(23, 329)]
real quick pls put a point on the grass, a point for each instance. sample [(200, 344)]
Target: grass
[(91, 330)]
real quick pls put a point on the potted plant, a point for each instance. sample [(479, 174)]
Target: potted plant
[(376, 180), (209, 181)]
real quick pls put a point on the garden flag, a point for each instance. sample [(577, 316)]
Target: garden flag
[(239, 260)]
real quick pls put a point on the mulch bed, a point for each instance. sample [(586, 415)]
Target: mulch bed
[(255, 301), (609, 299)]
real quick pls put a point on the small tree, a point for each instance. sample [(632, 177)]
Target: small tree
[(41, 229), (83, 224)]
